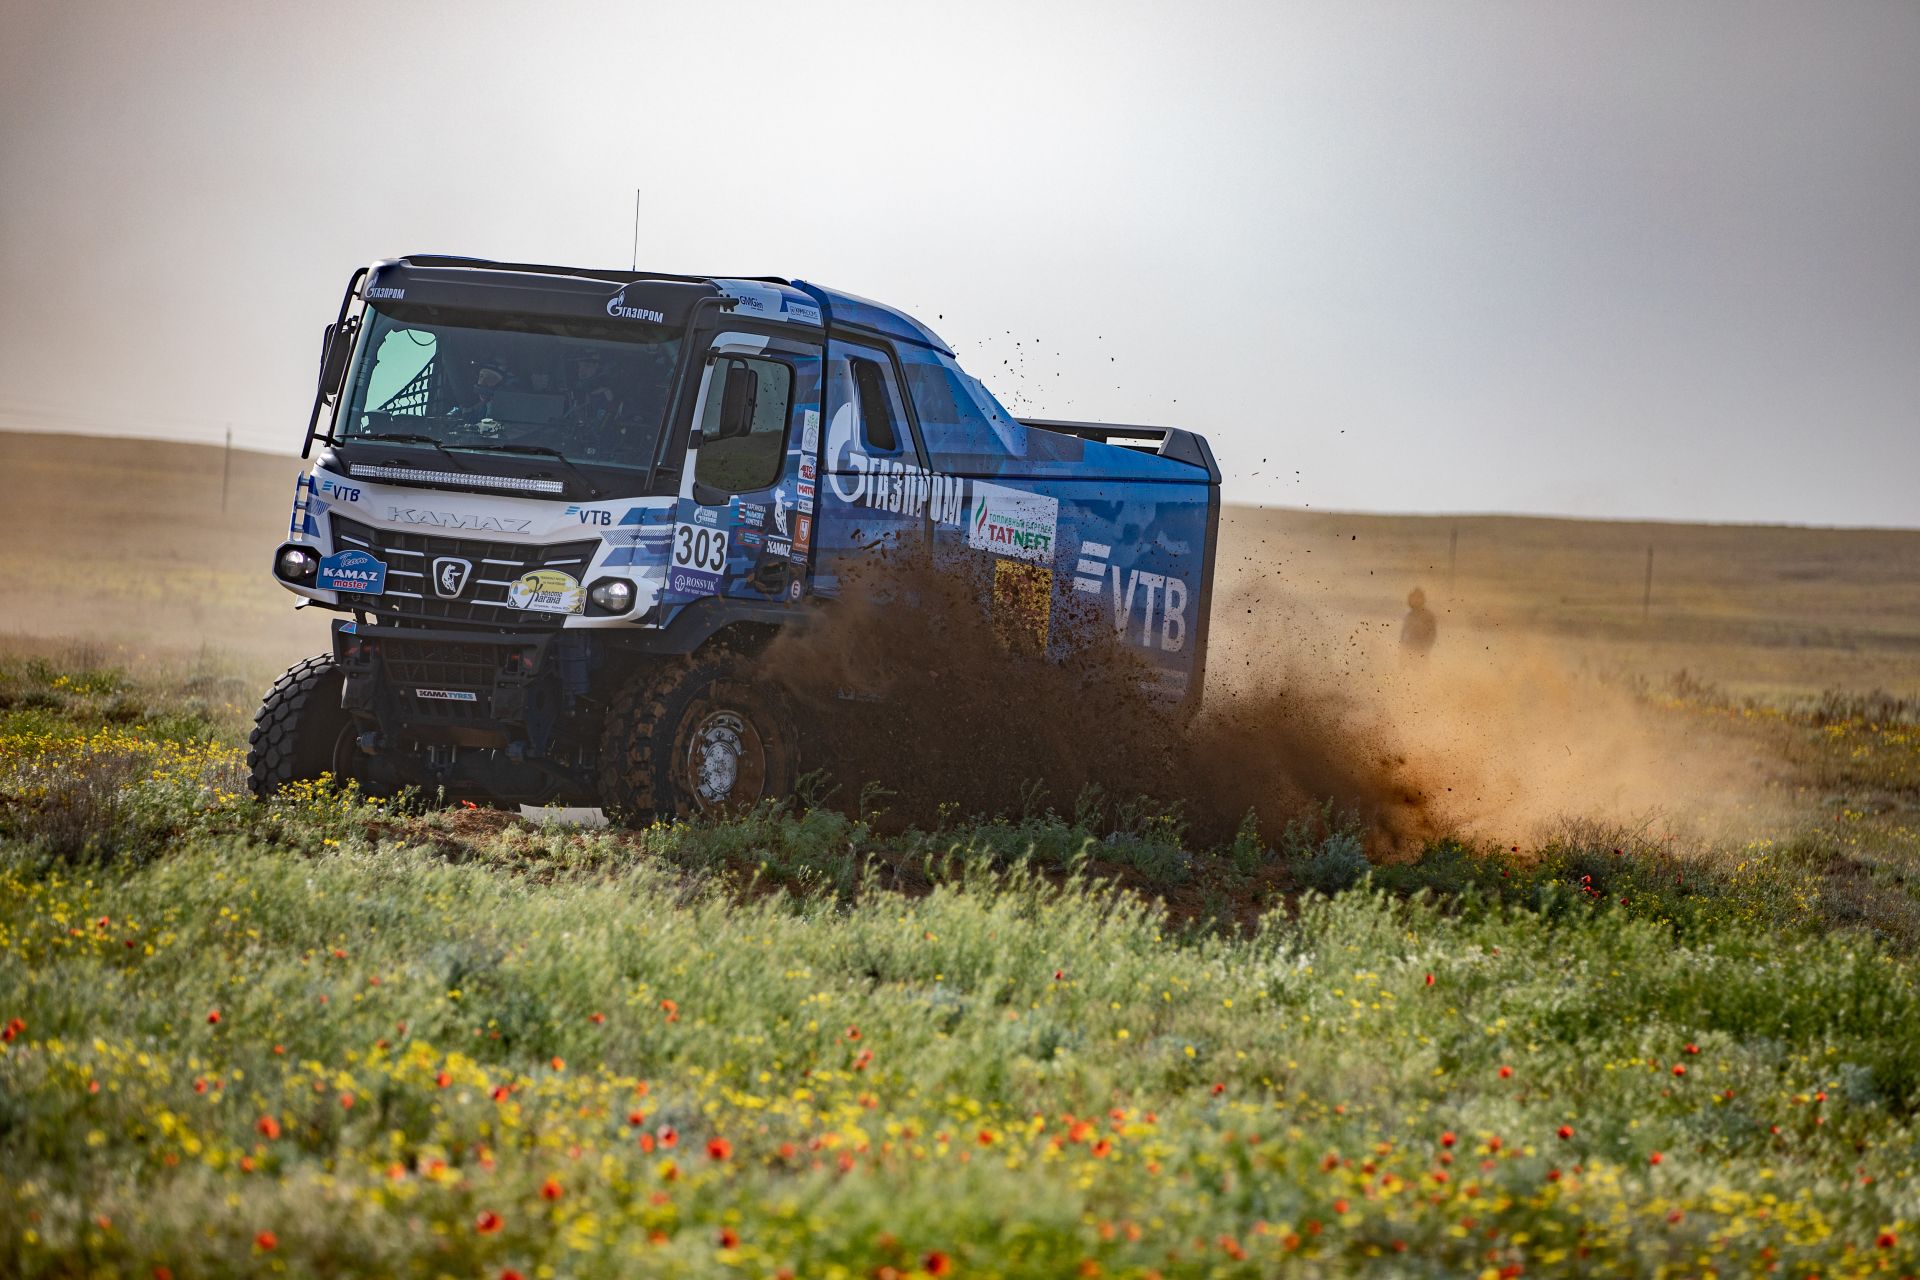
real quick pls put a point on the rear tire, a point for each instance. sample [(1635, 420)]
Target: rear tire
[(698, 736), (300, 731)]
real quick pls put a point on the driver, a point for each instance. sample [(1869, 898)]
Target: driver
[(477, 404)]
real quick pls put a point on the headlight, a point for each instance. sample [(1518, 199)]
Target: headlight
[(612, 596), (296, 564)]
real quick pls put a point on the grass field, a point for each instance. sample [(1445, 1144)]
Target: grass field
[(325, 1036)]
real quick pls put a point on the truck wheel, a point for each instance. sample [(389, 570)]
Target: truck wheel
[(300, 731), (696, 737)]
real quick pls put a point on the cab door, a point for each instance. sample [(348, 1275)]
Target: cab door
[(743, 526), (874, 484)]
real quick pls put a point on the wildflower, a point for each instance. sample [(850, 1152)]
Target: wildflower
[(936, 1263), (269, 1127), (1429, 979), (499, 1093), (1340, 1206), (1887, 1240), (853, 1033), (487, 1222), (346, 1102), (669, 1136), (1506, 1073), (636, 1118), (1655, 1158), (1218, 1088), (1059, 975), (1693, 1048), (1447, 1139), (1679, 1068), (596, 1018), (672, 1009), (718, 1148), (729, 1238), (559, 1063), (1565, 1131), (986, 1138), (443, 1079), (13, 1028), (266, 1241), (213, 1017), (551, 1189), (1101, 1148), (508, 1273)]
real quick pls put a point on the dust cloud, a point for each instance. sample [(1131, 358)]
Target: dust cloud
[(909, 684)]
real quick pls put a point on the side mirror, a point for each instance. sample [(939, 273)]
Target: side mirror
[(336, 346), (738, 401)]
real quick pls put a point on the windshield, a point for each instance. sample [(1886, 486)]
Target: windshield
[(593, 393)]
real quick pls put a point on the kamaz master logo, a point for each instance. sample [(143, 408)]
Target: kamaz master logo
[(448, 520)]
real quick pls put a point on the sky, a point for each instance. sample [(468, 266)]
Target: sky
[(1631, 260)]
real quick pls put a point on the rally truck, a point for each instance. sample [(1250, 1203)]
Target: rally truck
[(561, 512)]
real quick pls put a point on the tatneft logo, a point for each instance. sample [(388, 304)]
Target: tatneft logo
[(450, 576), (618, 308), (385, 291), (448, 520)]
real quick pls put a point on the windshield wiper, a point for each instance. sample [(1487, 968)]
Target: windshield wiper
[(546, 451), (409, 437)]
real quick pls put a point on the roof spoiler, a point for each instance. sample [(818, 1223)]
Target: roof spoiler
[(1173, 443)]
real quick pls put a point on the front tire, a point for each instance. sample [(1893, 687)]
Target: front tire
[(696, 737), (300, 731)]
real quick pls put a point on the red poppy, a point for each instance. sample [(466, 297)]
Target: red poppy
[(13, 1028), (853, 1033), (508, 1273), (213, 1017), (1887, 1240), (986, 1138), (718, 1149), (346, 1102), (1565, 1131), (443, 1079), (1655, 1158), (1340, 1206), (1506, 1072), (1218, 1088), (669, 1136), (266, 1240), (1553, 1175), (559, 1063), (1447, 1139), (636, 1118), (269, 1127), (596, 1018), (1679, 1068), (551, 1189), (1429, 979), (499, 1093), (729, 1238), (1101, 1148), (936, 1263), (487, 1222)]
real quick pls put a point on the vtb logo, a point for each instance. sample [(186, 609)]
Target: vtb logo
[(450, 574)]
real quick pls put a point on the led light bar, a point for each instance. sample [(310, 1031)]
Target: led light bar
[(519, 483)]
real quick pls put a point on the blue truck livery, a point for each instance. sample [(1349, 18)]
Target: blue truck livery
[(560, 511)]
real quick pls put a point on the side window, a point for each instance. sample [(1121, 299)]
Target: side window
[(964, 432), (879, 430), (743, 431)]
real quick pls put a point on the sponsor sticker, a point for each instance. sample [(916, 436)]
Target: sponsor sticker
[(707, 516), (752, 538), (804, 489), (446, 695), (793, 589), (802, 532), (1011, 522), (752, 515), (547, 591), (807, 469), (691, 582), (810, 431), (779, 547), (354, 571)]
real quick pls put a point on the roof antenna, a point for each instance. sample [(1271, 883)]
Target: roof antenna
[(636, 228)]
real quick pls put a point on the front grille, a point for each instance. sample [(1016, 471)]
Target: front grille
[(409, 558)]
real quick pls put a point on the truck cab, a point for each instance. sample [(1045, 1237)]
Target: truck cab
[(558, 511)]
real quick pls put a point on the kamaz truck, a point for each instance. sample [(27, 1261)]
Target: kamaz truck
[(560, 513)]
